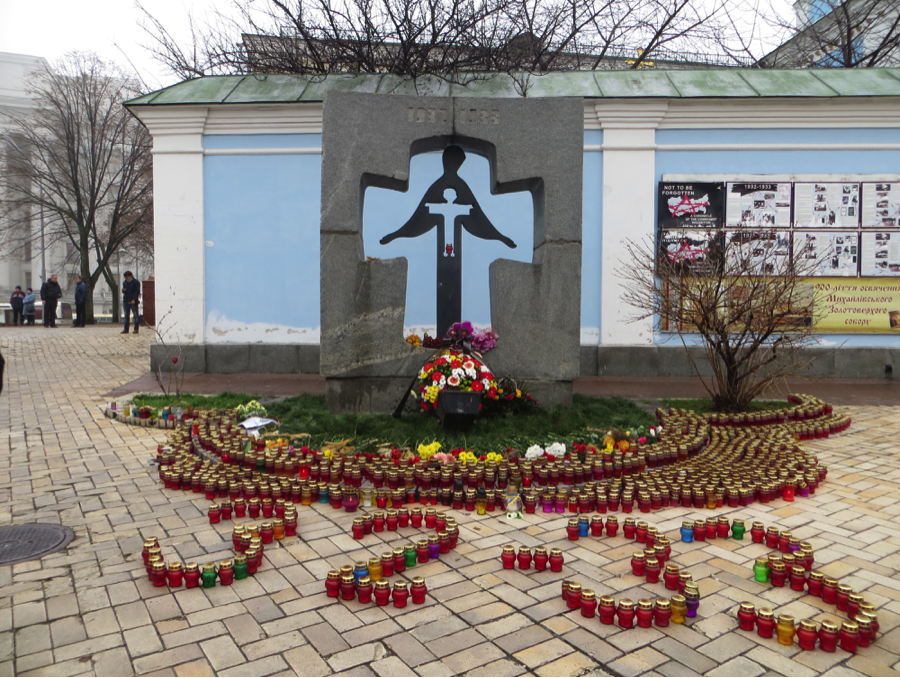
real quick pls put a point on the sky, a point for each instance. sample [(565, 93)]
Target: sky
[(51, 28)]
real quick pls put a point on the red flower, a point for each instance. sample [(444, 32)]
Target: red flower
[(551, 457), (436, 376), (477, 386), (455, 363), (510, 396), (174, 359), (440, 361), (492, 393)]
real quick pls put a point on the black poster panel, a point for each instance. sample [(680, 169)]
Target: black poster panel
[(691, 205)]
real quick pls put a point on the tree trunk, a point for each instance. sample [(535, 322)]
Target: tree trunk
[(114, 288)]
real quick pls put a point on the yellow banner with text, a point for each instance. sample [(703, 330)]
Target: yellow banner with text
[(857, 305)]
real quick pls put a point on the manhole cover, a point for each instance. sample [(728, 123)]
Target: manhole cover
[(19, 543)]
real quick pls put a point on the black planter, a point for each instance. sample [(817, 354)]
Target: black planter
[(458, 409)]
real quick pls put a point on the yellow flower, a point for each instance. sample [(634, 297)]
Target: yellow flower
[(431, 393), (414, 339), (609, 441), (466, 456), (518, 393), (494, 456), (328, 454), (426, 452)]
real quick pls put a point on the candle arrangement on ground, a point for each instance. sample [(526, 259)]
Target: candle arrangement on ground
[(647, 613), (697, 462), (174, 574), (368, 582)]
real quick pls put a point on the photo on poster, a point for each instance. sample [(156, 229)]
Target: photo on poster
[(880, 207), (880, 253), (826, 205), (692, 251), (837, 253), (759, 252), (691, 205), (751, 205)]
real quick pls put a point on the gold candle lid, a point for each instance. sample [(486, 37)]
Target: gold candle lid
[(850, 626), (418, 581), (638, 555), (373, 561), (555, 552), (225, 564), (398, 551), (785, 619), (360, 565), (679, 600), (209, 567), (748, 607), (829, 626), (524, 551), (157, 565), (175, 565), (645, 604), (346, 569), (574, 586), (765, 613), (863, 621), (387, 555), (831, 582), (348, 578), (400, 585), (808, 625), (845, 588), (191, 567), (588, 594), (662, 604), (241, 559), (382, 584), (607, 600), (364, 580), (626, 604), (797, 569)]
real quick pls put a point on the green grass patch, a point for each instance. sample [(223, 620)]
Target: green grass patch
[(308, 414), (223, 401), (705, 405)]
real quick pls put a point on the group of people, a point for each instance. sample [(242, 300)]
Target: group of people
[(23, 303)]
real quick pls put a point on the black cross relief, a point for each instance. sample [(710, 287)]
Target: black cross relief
[(449, 197)]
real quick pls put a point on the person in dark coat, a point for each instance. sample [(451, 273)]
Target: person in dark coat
[(50, 295), (17, 301), (80, 301), (131, 296)]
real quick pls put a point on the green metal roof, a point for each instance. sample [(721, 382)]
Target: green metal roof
[(710, 83)]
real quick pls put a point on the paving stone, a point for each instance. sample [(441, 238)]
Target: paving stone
[(222, 652), (523, 638), (445, 645), (356, 656), (571, 665), (542, 653), (325, 639), (114, 662), (261, 667), (501, 667), (392, 666), (66, 631), (739, 666), (410, 650), (469, 658), (306, 661)]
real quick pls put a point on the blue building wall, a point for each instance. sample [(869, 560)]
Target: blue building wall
[(261, 216)]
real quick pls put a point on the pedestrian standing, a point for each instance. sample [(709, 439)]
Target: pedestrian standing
[(50, 295), (80, 301), (131, 296), (16, 300), (28, 307)]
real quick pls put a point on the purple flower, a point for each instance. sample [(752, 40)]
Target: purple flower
[(459, 332)]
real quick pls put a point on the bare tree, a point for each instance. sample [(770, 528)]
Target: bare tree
[(455, 40), (746, 297), (836, 34), (82, 161)]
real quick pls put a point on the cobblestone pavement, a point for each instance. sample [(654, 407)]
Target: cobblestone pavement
[(90, 610)]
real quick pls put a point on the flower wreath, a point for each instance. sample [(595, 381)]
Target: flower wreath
[(454, 370)]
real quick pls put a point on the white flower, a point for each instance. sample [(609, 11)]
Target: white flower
[(453, 380), (534, 452), (458, 372), (486, 382), (557, 449), (469, 365), (471, 373), (443, 381)]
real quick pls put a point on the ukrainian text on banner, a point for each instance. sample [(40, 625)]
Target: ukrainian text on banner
[(864, 305)]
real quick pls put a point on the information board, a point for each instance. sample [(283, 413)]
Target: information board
[(826, 205), (691, 205), (758, 205)]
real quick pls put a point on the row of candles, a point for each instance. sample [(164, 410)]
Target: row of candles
[(646, 612), (174, 574), (364, 583), (850, 634), (771, 464)]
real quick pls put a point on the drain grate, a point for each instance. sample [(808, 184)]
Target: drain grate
[(19, 543)]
